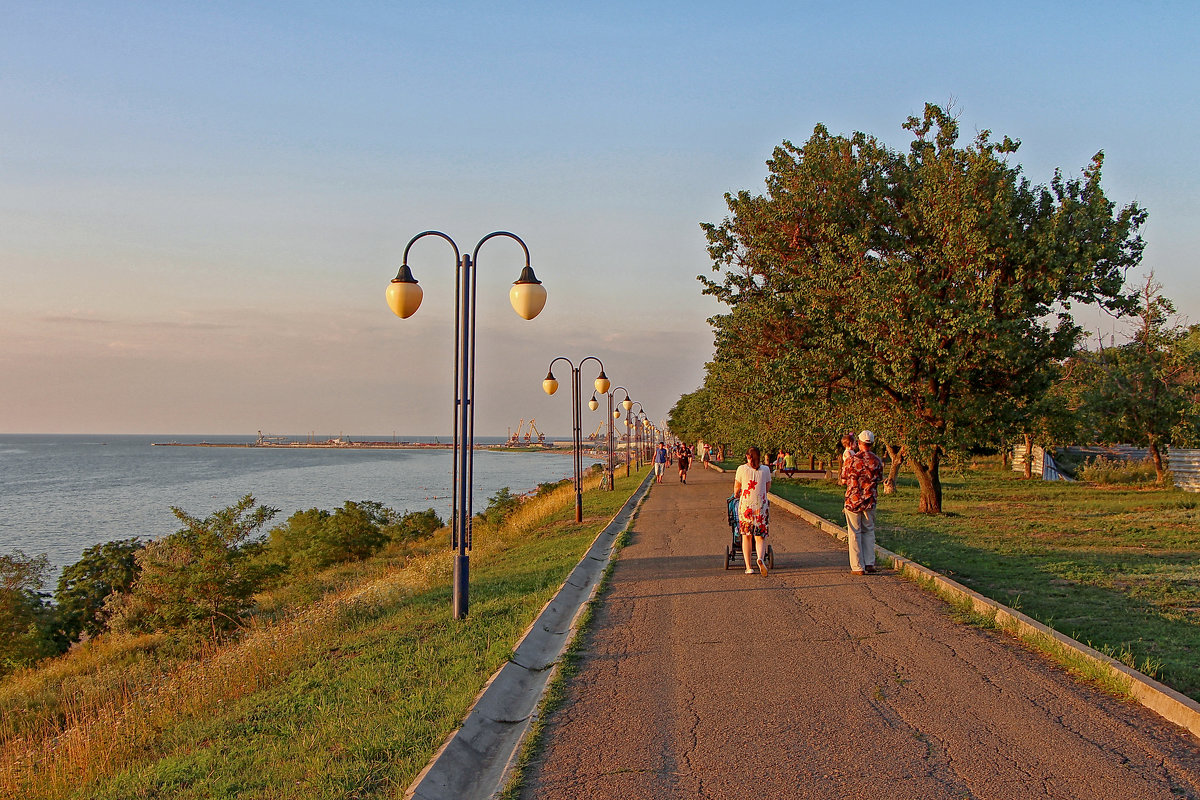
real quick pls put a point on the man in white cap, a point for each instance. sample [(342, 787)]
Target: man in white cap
[(862, 474)]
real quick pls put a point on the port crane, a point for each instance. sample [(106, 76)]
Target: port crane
[(514, 439), (531, 431), (595, 435)]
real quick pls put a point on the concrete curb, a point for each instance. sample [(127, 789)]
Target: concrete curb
[(1159, 698), (474, 761)]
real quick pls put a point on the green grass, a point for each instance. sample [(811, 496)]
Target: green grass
[(381, 675), (1115, 567)]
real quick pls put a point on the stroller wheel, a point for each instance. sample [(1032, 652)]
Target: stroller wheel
[(728, 557), (770, 557)]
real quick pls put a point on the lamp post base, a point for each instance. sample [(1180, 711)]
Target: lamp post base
[(462, 569)]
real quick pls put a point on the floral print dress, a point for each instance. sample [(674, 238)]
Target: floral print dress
[(753, 508)]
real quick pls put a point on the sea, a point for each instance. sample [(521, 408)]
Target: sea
[(61, 494)]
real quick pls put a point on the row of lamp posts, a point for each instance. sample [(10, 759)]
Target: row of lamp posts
[(528, 297), (550, 386)]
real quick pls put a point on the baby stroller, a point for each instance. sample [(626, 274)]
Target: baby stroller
[(733, 553)]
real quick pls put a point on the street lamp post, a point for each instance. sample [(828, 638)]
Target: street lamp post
[(633, 423), (649, 432), (528, 297), (612, 416), (550, 386)]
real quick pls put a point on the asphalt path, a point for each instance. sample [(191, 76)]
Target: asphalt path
[(814, 683)]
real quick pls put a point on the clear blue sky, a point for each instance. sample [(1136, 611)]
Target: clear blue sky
[(201, 204)]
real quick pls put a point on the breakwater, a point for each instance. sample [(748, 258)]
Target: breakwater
[(325, 445)]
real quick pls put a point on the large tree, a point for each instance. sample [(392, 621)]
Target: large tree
[(926, 291)]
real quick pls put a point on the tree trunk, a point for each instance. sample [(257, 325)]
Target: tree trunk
[(896, 457), (930, 481), (1004, 458), (1028, 456), (1159, 471)]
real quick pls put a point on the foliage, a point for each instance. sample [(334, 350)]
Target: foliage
[(922, 295), (1116, 472), (549, 486), (85, 586), (315, 539), (25, 618), (413, 526), (201, 577), (1147, 391), (499, 506), (692, 418)]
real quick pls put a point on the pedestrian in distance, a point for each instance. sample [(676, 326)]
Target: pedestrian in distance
[(660, 461), (862, 473), (751, 483), (684, 460)]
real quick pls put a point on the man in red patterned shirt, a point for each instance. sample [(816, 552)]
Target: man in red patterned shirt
[(862, 473)]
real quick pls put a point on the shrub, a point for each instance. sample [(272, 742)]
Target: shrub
[(315, 539), (413, 526), (199, 577), (85, 586), (1115, 472), (549, 486), (25, 618), (499, 506)]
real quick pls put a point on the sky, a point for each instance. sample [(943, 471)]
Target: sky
[(202, 204)]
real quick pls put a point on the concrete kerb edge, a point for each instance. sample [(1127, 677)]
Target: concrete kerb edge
[(417, 790), (1159, 698), (514, 758)]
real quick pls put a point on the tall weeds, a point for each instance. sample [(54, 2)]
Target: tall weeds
[(1115, 472)]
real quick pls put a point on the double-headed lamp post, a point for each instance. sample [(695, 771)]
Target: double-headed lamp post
[(528, 297), (633, 428), (550, 386), (649, 436), (612, 415)]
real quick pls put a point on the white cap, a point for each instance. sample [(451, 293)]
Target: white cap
[(867, 436)]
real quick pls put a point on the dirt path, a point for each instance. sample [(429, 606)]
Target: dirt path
[(814, 683)]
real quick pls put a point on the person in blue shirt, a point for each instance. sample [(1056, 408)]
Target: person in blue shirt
[(660, 461)]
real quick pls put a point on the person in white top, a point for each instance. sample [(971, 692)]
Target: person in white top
[(751, 483)]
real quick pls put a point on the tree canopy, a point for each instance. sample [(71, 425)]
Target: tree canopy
[(925, 295), (1146, 391)]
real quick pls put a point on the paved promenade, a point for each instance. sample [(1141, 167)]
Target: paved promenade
[(813, 683)]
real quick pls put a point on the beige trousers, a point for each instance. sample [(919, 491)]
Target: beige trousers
[(860, 530)]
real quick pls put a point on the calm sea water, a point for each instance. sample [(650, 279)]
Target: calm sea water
[(62, 494)]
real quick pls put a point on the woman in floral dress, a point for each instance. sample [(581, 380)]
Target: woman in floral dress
[(751, 483)]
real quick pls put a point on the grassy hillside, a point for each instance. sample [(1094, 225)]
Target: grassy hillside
[(342, 686)]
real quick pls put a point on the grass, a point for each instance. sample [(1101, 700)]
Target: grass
[(347, 696), (1115, 567)]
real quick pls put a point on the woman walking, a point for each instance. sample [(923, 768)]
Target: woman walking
[(751, 483), (684, 460)]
